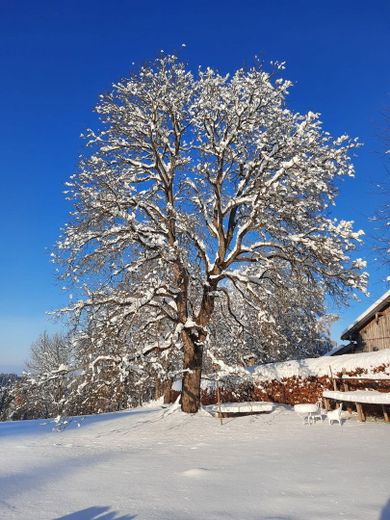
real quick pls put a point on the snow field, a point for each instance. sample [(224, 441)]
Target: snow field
[(151, 463)]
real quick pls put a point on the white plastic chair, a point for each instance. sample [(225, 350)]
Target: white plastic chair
[(309, 412), (318, 414), (335, 415)]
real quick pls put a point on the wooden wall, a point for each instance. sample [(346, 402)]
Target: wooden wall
[(375, 335)]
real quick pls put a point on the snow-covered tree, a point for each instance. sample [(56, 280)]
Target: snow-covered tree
[(193, 183), (382, 220), (48, 353), (7, 382), (291, 324), (42, 391)]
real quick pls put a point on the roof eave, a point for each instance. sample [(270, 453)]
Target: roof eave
[(366, 316)]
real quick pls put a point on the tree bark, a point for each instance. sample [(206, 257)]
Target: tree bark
[(193, 343), (192, 364), (167, 392)]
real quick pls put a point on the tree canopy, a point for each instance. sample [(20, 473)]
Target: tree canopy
[(200, 190)]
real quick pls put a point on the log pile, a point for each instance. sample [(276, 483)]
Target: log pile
[(292, 390)]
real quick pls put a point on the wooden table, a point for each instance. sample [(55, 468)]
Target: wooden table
[(359, 398)]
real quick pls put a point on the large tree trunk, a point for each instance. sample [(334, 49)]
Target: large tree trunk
[(192, 364), (193, 353)]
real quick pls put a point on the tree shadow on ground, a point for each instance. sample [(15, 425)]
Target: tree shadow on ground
[(15, 484), (39, 426), (385, 514), (95, 513)]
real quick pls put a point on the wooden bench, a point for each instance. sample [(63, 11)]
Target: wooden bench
[(226, 409), (359, 398)]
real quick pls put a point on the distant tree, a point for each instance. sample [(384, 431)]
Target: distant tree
[(382, 219), (194, 184), (48, 353), (382, 215), (42, 391), (7, 382)]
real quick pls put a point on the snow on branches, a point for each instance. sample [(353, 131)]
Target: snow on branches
[(194, 185)]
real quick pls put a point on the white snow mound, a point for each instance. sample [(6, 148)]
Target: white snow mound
[(321, 366)]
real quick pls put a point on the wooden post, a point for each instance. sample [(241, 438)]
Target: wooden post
[(345, 384), (363, 413), (219, 403), (346, 389), (385, 414), (327, 404), (332, 379), (360, 411)]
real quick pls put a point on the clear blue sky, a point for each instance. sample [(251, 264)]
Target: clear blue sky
[(56, 57)]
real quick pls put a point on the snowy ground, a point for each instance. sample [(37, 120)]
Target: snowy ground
[(153, 464)]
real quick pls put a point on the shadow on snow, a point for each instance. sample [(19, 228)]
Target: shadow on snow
[(95, 513), (385, 514), (38, 426)]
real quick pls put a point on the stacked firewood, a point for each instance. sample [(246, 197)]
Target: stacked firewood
[(295, 389)]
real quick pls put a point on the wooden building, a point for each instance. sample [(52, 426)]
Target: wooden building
[(371, 330)]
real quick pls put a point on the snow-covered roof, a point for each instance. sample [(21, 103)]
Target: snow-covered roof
[(367, 314), (339, 349)]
